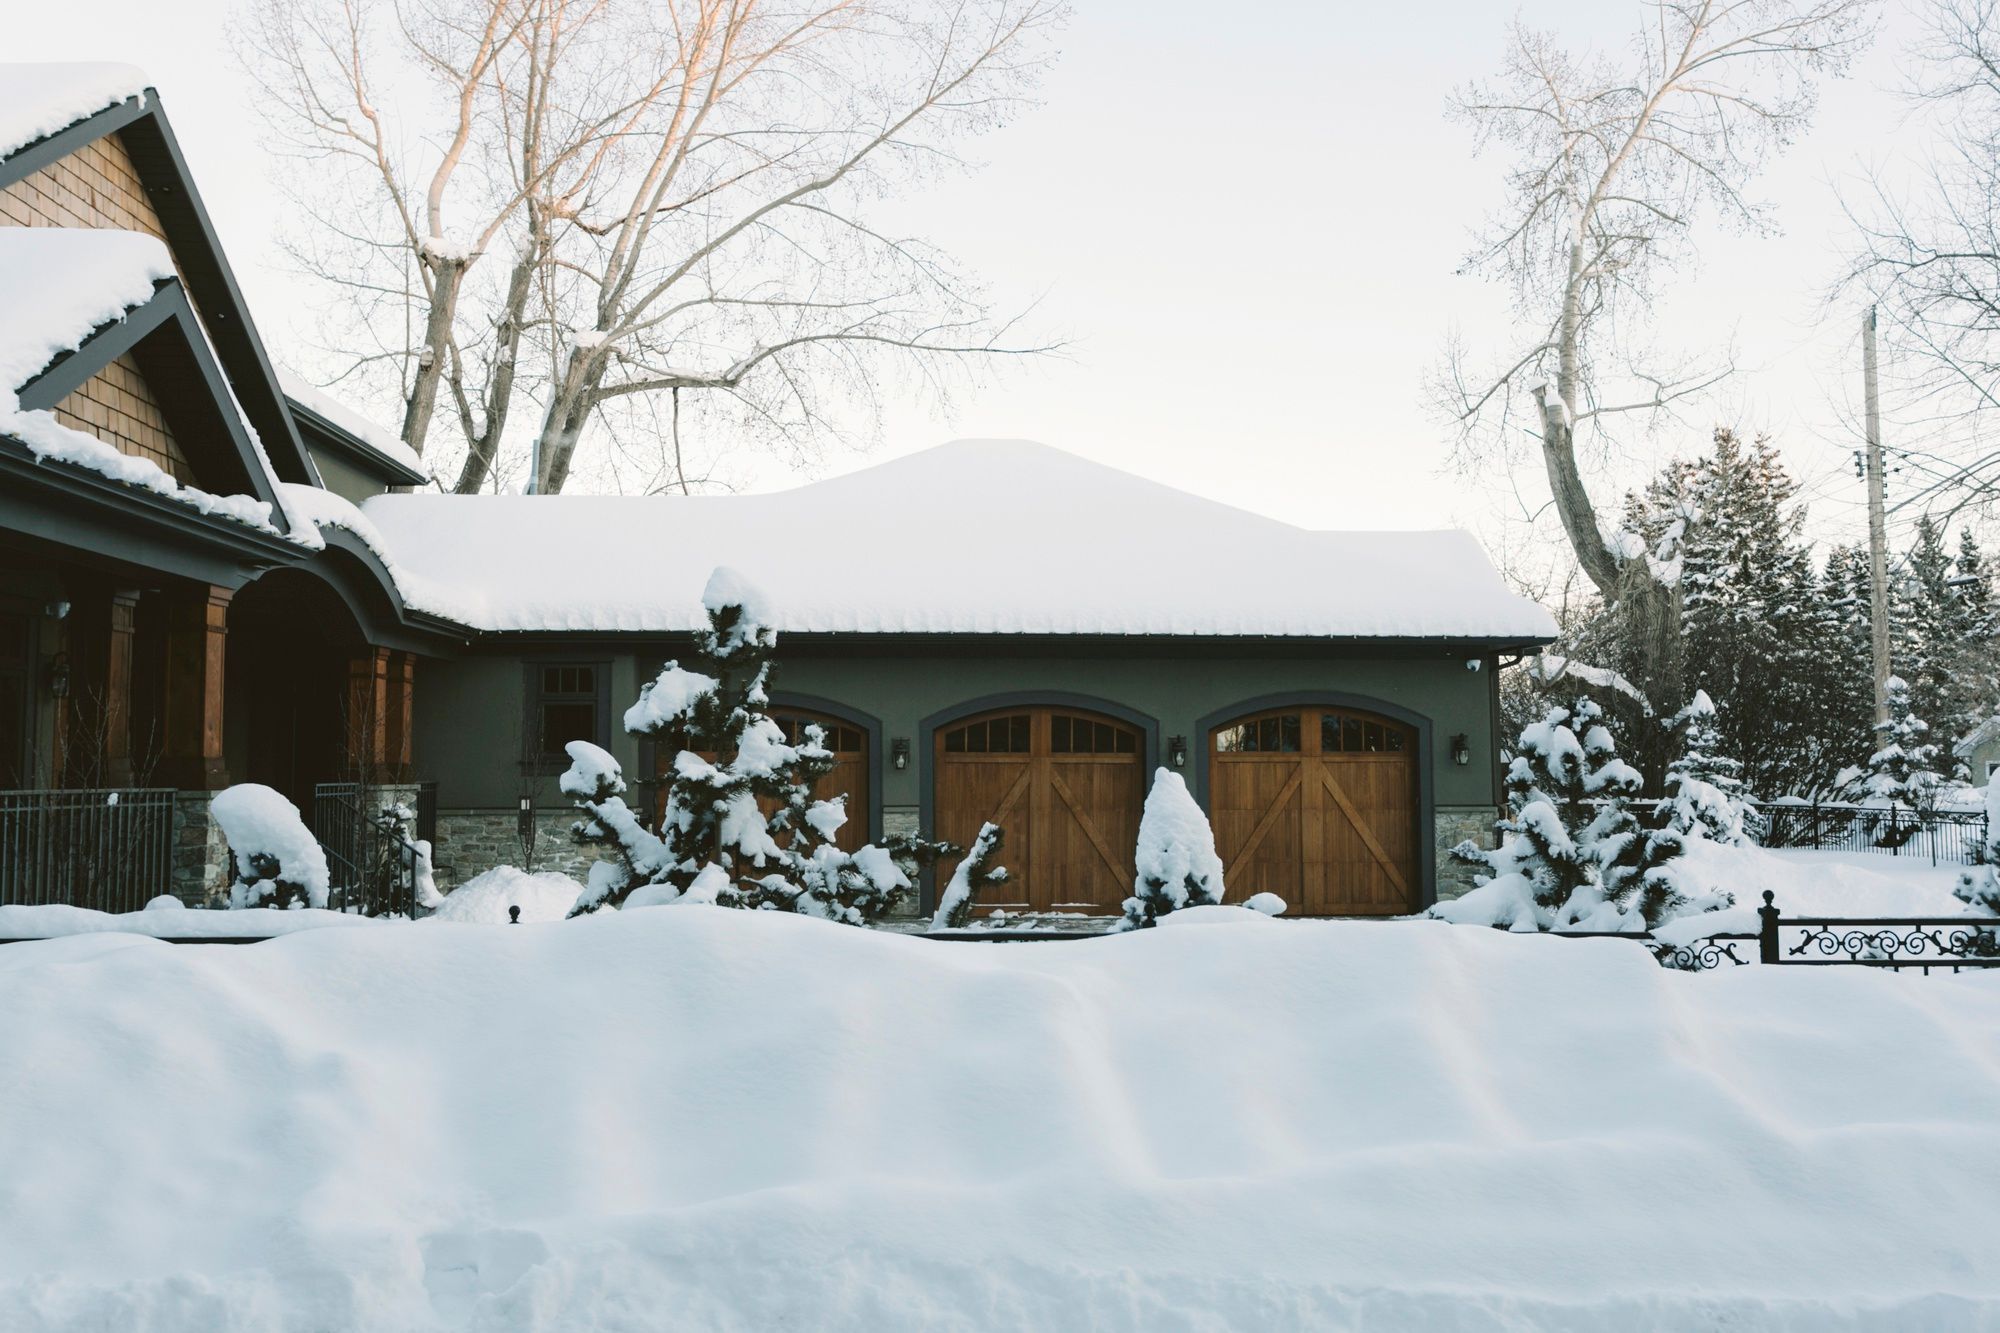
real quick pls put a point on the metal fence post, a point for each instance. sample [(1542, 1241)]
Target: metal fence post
[(1767, 929)]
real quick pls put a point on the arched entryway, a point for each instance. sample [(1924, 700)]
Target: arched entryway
[(292, 647), (1066, 784), (1319, 805)]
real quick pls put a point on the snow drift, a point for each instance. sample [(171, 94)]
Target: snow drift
[(758, 1120)]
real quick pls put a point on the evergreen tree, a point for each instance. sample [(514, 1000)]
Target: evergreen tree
[(974, 873), (740, 818), (1575, 855), (1177, 864), (1902, 772), (1705, 794)]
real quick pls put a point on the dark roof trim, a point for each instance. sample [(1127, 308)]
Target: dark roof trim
[(142, 125), (322, 432), (74, 506), (341, 540), (31, 158), (167, 314)]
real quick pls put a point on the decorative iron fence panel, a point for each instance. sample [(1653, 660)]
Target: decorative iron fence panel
[(1944, 837), (371, 869), (109, 849)]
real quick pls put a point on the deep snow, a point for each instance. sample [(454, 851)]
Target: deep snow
[(918, 578), (702, 1118)]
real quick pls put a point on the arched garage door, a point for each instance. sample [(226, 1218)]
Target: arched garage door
[(1319, 806), (1066, 786)]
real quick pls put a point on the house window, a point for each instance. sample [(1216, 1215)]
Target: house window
[(566, 702), (1992, 767)]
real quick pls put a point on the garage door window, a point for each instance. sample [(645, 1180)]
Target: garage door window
[(1265, 735)]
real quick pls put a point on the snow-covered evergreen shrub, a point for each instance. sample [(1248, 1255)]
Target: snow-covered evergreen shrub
[(1705, 795), (278, 861), (1177, 864), (1902, 773), (1979, 885), (408, 852), (715, 807), (975, 872), (1574, 855)]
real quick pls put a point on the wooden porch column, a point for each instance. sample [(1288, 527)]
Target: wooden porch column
[(197, 629), (368, 714), (402, 680), (124, 610)]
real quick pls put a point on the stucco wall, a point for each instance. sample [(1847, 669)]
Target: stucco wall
[(471, 713)]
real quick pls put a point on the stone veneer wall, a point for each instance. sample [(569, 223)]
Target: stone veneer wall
[(201, 856), (471, 842), (1456, 824)]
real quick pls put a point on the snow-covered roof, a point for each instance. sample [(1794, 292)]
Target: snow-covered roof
[(1977, 737), (377, 437), (37, 100), (977, 536), (57, 286)]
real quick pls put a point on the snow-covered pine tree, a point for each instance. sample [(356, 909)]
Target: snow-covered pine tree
[(1902, 773), (739, 814), (976, 871), (1177, 864), (1574, 855), (1705, 795)]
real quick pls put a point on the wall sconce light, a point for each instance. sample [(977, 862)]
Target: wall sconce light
[(899, 753), (59, 675), (1177, 751), (1461, 750), (58, 610)]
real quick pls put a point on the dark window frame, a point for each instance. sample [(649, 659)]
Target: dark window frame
[(533, 758)]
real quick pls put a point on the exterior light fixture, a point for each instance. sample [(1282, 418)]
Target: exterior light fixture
[(1461, 750), (899, 753), (59, 675), (1177, 751)]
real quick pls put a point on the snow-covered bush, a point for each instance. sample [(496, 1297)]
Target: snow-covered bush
[(1177, 864), (405, 852), (278, 861), (1574, 855), (1979, 885), (738, 795), (1705, 794), (542, 896), (1902, 772), (975, 872)]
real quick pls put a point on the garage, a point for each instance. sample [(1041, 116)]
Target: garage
[(1066, 785), (1318, 805)]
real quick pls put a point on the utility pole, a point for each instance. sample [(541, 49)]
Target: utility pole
[(1878, 540)]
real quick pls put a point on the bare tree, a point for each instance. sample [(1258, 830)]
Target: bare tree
[(1929, 256), (1614, 162), (678, 191)]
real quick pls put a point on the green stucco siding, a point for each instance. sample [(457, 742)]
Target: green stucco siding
[(471, 711)]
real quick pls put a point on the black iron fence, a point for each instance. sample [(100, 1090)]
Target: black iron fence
[(372, 864), (1944, 837), (1923, 943), (109, 849)]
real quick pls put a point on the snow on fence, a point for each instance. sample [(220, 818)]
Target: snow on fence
[(1946, 837), (110, 848)]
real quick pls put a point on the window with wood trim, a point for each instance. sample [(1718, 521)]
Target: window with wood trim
[(993, 735), (567, 701), (1277, 734), (1084, 735)]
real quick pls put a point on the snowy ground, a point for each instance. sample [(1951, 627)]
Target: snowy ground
[(699, 1118)]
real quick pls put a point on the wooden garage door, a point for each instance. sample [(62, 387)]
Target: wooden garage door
[(1319, 806), (1066, 786), (849, 777)]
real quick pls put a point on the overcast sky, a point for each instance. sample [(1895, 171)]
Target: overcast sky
[(1247, 217)]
